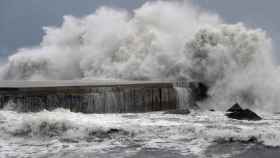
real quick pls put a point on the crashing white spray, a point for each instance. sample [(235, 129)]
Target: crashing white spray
[(160, 40)]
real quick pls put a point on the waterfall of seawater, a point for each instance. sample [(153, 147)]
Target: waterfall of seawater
[(182, 97), (93, 100), (88, 103), (111, 102)]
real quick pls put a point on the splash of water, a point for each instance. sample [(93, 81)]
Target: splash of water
[(159, 40), (182, 98), (52, 132)]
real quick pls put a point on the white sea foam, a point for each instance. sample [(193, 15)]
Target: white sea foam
[(191, 134)]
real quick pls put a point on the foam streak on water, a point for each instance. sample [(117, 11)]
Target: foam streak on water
[(57, 133)]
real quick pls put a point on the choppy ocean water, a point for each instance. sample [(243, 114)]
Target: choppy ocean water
[(63, 134)]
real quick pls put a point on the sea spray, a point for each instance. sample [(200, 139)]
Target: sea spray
[(113, 44), (183, 100), (34, 133), (159, 40), (92, 98)]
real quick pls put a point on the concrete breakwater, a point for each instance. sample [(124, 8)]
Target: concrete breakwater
[(88, 96)]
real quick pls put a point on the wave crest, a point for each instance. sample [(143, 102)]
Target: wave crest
[(159, 40)]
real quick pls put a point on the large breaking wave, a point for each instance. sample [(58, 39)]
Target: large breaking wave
[(158, 41)]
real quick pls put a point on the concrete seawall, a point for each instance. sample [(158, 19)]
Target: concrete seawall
[(88, 96)]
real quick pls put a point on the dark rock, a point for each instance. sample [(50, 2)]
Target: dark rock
[(212, 110), (236, 107), (236, 112), (178, 111), (244, 115)]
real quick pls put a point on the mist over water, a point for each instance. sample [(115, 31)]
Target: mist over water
[(158, 41)]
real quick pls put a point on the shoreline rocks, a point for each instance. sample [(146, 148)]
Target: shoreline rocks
[(236, 112)]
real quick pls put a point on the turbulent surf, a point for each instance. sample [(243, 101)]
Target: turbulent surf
[(161, 40), (61, 133)]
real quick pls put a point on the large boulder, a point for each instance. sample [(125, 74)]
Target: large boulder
[(235, 108), (236, 112)]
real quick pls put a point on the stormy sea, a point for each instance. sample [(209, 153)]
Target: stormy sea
[(160, 40), (64, 134)]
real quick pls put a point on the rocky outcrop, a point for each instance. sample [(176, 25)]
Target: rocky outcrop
[(236, 112), (235, 108)]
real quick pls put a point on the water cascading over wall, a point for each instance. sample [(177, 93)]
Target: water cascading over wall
[(89, 97)]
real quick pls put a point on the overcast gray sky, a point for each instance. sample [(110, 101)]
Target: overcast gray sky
[(21, 21)]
